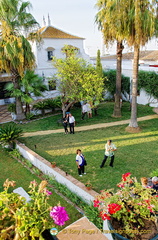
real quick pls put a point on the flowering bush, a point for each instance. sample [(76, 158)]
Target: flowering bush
[(27, 220), (131, 208)]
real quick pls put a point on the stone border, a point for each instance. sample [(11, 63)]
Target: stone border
[(59, 175)]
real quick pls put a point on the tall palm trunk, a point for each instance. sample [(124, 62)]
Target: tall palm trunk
[(19, 110), (133, 121), (117, 107)]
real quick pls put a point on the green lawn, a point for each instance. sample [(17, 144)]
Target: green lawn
[(105, 112), (12, 169), (136, 152)]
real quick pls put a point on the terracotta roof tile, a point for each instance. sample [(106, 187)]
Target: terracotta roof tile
[(144, 55), (153, 56), (52, 32)]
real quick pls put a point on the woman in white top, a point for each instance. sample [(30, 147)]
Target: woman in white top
[(110, 148), (80, 162), (71, 123)]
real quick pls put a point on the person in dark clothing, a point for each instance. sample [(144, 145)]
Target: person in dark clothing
[(65, 123), (80, 162)]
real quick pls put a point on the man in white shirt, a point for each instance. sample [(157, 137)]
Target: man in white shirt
[(84, 110), (71, 123), (109, 152)]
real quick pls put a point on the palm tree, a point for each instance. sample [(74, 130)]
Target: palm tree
[(30, 84), (15, 50), (141, 27), (110, 20)]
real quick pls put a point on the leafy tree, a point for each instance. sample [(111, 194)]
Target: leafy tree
[(78, 81), (69, 50), (110, 79), (15, 50), (149, 82), (111, 21), (99, 65), (30, 84)]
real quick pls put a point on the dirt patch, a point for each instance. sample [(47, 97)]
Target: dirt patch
[(133, 129)]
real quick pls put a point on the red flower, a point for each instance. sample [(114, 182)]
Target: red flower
[(113, 208), (121, 185), (125, 175), (104, 216), (96, 203)]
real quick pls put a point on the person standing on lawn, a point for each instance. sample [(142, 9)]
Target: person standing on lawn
[(71, 123), (110, 148), (84, 110), (65, 123), (80, 162)]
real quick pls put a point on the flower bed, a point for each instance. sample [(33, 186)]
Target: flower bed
[(132, 210)]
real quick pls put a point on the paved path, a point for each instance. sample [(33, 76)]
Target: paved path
[(90, 127)]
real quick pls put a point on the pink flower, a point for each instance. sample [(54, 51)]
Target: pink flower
[(125, 175), (121, 185), (34, 183), (48, 193), (59, 215), (113, 208)]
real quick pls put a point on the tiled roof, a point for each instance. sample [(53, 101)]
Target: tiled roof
[(144, 55), (52, 32), (153, 56)]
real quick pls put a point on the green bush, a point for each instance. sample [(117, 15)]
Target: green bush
[(29, 116), (110, 82), (154, 173), (15, 153), (9, 133), (12, 107), (149, 82), (40, 106)]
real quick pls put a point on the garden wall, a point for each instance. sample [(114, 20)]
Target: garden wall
[(60, 176)]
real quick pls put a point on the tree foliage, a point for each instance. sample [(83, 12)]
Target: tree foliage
[(30, 84), (110, 79), (78, 81), (15, 50), (99, 68), (149, 82)]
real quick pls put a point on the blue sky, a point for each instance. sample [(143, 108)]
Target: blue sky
[(76, 17)]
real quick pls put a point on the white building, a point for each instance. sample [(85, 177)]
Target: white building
[(53, 40), (148, 62)]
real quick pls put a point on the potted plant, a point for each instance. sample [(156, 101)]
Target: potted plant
[(53, 164), (131, 211), (28, 220), (88, 185)]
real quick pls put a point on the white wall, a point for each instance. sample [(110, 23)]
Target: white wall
[(144, 98), (45, 166)]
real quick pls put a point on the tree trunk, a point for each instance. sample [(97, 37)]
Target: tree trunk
[(117, 107), (133, 121), (65, 107), (27, 110), (19, 110)]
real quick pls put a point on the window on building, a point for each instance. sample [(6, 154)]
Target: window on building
[(50, 53)]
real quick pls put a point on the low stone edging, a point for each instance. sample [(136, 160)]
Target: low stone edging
[(59, 175)]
